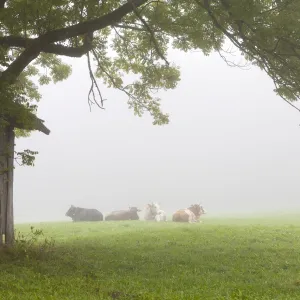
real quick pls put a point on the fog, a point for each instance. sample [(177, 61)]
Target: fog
[(231, 144)]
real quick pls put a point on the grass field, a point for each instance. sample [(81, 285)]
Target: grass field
[(218, 259)]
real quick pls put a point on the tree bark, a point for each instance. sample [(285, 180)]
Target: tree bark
[(7, 144), (7, 139)]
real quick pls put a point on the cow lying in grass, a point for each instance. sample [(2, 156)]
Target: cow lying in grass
[(79, 214), (122, 215), (161, 216), (151, 211), (191, 214), (154, 213)]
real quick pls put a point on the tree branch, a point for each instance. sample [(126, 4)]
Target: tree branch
[(38, 124), (32, 52), (129, 27), (32, 123), (67, 51), (257, 52), (15, 41), (94, 83), (152, 36), (117, 86)]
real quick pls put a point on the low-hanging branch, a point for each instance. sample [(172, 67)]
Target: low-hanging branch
[(93, 84)]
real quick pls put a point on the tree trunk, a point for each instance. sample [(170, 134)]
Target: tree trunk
[(7, 139)]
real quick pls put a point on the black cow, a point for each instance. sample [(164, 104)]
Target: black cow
[(79, 214), (122, 215)]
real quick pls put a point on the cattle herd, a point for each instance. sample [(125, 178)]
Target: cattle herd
[(153, 212)]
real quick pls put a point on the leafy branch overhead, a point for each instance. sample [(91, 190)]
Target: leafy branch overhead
[(133, 37)]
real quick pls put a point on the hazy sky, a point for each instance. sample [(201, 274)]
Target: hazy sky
[(231, 144)]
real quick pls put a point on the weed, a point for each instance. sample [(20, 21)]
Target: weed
[(30, 245)]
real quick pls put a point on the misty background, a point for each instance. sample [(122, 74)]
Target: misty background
[(231, 144)]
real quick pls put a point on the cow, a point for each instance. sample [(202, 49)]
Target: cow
[(191, 214), (161, 216), (151, 211), (154, 213), (79, 214), (122, 215)]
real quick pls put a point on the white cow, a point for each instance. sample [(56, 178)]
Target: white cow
[(161, 216), (154, 213), (151, 211)]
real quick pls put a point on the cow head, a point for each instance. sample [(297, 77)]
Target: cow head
[(203, 211), (153, 208), (197, 209), (70, 213), (134, 209), (134, 213)]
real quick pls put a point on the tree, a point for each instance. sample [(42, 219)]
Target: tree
[(122, 37)]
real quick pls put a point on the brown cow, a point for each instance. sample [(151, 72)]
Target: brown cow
[(122, 215), (191, 214)]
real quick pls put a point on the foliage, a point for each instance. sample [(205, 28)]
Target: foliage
[(121, 38), (137, 42), (21, 133), (222, 259), (27, 157), (267, 33)]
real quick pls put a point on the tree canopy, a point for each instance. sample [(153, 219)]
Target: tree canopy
[(121, 37)]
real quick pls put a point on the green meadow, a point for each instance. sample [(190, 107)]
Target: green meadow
[(229, 258)]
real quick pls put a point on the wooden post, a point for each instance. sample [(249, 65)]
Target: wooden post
[(6, 185)]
